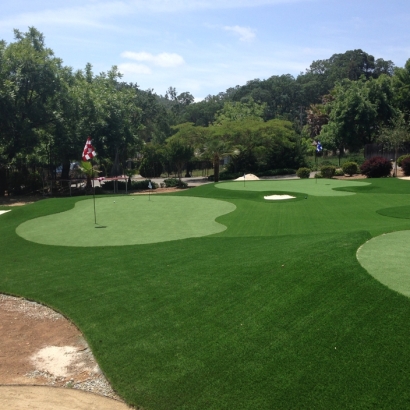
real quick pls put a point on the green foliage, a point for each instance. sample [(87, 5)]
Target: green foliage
[(303, 173), (400, 159), (143, 185), (224, 176), (178, 154), (350, 168), (328, 171), (239, 111), (153, 158), (111, 185), (376, 167), (175, 182), (339, 173)]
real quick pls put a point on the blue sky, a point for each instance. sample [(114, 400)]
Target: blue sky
[(207, 46)]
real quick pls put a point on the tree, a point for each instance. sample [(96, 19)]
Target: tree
[(394, 136), (358, 110), (29, 87), (401, 86), (179, 154)]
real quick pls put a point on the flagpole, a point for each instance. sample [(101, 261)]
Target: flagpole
[(92, 176), (244, 179)]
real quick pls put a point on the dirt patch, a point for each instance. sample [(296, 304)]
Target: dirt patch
[(40, 347), (19, 200)]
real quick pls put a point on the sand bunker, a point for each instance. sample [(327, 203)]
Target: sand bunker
[(57, 360), (3, 212), (248, 177), (278, 197)]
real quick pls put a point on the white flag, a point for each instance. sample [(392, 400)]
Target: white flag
[(149, 185)]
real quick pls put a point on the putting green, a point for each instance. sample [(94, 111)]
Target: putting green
[(402, 212), (319, 187), (128, 220), (387, 259)]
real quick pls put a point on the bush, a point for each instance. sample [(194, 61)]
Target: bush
[(400, 159), (328, 171), (109, 185), (303, 173), (339, 173), (223, 176), (140, 185), (376, 167), (350, 168), (326, 163), (405, 166), (175, 182)]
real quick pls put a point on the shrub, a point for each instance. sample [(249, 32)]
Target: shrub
[(175, 182), (405, 166), (328, 171), (376, 167), (109, 186), (339, 173), (400, 159), (303, 173), (226, 175), (326, 163), (140, 185), (350, 168)]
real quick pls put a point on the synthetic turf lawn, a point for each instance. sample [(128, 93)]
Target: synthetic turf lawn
[(126, 220), (316, 187), (218, 322), (392, 269)]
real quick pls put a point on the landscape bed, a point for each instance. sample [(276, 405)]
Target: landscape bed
[(273, 310)]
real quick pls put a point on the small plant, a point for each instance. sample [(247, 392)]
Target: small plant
[(175, 182), (140, 185), (376, 167), (339, 173), (405, 166), (328, 171), (350, 168), (400, 159), (303, 173)]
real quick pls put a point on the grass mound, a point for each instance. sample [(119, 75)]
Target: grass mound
[(402, 212), (322, 187), (387, 259), (128, 220)]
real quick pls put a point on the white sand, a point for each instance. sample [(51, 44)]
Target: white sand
[(55, 360), (3, 212), (278, 197), (248, 177)]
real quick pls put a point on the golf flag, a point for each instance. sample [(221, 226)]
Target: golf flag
[(149, 185), (319, 147), (89, 152)]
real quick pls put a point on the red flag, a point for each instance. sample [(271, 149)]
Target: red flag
[(89, 152)]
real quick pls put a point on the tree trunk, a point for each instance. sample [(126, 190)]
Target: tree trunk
[(3, 181), (216, 168), (65, 173)]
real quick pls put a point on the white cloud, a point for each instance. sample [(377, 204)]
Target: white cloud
[(132, 68), (161, 60), (244, 33), (95, 12), (89, 15)]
